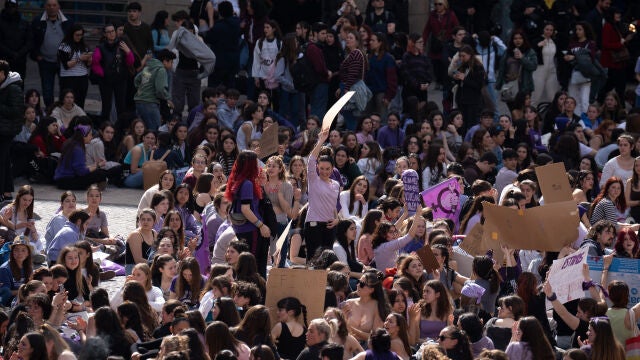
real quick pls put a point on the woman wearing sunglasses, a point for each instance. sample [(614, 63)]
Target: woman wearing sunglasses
[(367, 312), (456, 343)]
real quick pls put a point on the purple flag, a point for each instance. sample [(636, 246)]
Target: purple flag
[(444, 200)]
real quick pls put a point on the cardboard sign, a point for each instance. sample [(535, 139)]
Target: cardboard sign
[(473, 244), (269, 141), (328, 118), (411, 190), (565, 276), (444, 200), (465, 263), (428, 259), (543, 228), (623, 269), (554, 183), (283, 236), (308, 286)]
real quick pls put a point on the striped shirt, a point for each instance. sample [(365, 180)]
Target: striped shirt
[(66, 54)]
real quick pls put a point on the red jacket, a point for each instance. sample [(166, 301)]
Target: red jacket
[(441, 26), (610, 42), (57, 142)]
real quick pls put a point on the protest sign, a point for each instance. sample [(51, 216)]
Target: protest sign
[(544, 228), (308, 286), (623, 269), (473, 244), (428, 259), (465, 263), (444, 200), (554, 183), (565, 276), (411, 190), (269, 141), (328, 118)]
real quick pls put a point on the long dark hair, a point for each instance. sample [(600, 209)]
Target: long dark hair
[(533, 335), (341, 238), (483, 267), (292, 303), (218, 337), (42, 129), (474, 63), (131, 312), (443, 304), (373, 279), (158, 21), (462, 350), (525, 42), (76, 140), (68, 38)]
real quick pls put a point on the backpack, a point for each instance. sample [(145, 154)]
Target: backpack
[(302, 72)]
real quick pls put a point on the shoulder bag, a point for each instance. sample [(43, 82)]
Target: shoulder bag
[(152, 169)]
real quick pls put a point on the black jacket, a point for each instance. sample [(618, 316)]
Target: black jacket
[(11, 105), (223, 38), (39, 27), (15, 37)]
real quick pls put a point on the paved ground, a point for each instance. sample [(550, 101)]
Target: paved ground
[(120, 205)]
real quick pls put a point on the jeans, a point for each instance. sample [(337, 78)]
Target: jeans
[(185, 85), (292, 107), (48, 71), (134, 181), (150, 114), (318, 99)]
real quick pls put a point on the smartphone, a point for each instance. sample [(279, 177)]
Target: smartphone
[(61, 288)]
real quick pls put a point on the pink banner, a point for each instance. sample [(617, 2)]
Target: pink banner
[(444, 200)]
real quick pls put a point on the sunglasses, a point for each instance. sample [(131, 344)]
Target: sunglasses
[(362, 284), (442, 337)]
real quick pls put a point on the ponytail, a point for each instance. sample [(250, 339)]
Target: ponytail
[(304, 315)]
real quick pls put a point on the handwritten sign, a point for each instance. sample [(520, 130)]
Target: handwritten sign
[(308, 286), (565, 276), (411, 190), (328, 118), (444, 200), (554, 183)]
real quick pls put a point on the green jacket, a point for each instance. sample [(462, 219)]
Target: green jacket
[(529, 65), (152, 83)]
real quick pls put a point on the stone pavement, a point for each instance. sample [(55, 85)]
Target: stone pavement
[(119, 205)]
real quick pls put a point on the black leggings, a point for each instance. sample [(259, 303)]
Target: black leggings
[(82, 182)]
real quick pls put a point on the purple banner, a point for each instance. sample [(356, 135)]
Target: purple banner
[(444, 200), (411, 190)]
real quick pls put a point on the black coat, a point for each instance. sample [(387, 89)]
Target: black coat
[(11, 106), (39, 27), (15, 37), (223, 38), (470, 89)]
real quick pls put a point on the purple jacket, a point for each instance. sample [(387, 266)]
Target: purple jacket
[(76, 165), (390, 138)]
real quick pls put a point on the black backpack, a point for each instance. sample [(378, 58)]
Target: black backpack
[(302, 72)]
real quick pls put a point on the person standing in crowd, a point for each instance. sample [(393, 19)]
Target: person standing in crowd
[(139, 38), (314, 53), (75, 61), (185, 83), (112, 59), (15, 38), (48, 32), (152, 85), (223, 38), (11, 121), (437, 32)]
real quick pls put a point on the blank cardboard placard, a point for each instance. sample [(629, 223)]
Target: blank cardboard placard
[(308, 286), (328, 118), (554, 183), (543, 228), (269, 141), (473, 244), (465, 263), (428, 259)]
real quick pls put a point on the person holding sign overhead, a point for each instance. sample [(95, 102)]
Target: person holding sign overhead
[(322, 217)]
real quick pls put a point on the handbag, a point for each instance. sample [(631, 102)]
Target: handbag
[(632, 345), (509, 91), (236, 217), (577, 78), (152, 169), (621, 55)]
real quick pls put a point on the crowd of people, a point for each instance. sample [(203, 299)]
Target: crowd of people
[(206, 232)]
